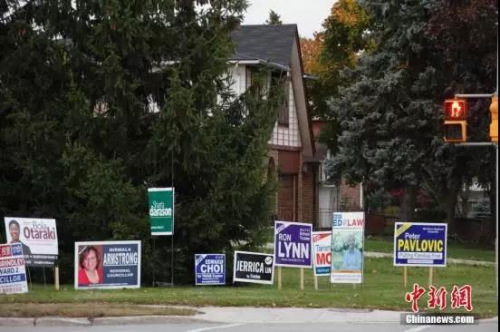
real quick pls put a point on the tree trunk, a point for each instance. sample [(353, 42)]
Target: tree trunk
[(407, 213), (463, 207), (492, 229), (449, 202)]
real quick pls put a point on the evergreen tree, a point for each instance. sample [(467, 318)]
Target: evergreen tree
[(274, 18), (387, 116), (464, 34), (390, 108), (101, 100)]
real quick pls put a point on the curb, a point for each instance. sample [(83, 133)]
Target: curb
[(100, 321), (125, 320), (17, 322), (131, 320), (61, 321)]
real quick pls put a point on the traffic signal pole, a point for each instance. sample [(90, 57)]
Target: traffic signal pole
[(477, 144), (474, 95), (495, 145), (494, 97)]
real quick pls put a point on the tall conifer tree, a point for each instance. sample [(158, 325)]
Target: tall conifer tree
[(102, 99)]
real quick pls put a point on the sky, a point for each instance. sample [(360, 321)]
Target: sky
[(307, 14)]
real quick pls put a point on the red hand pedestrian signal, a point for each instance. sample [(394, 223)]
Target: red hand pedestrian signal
[(455, 120), (455, 109)]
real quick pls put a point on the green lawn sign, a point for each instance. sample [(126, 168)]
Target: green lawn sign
[(161, 210)]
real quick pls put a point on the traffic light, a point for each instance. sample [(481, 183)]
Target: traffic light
[(455, 120), (494, 119)]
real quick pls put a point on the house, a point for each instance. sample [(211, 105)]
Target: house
[(473, 201), (291, 146), (332, 196)]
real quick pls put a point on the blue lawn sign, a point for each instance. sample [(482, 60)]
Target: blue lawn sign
[(292, 244), (420, 244), (210, 269)]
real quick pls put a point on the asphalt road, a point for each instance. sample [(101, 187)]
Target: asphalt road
[(248, 319), (252, 327)]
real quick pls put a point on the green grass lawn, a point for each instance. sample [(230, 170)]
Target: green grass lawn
[(455, 249), (386, 245), (382, 289)]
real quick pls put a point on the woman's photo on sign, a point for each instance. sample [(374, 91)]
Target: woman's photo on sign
[(90, 265)]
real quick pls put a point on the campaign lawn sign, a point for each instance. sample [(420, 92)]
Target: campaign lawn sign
[(347, 247), (292, 244), (253, 267), (12, 269), (107, 264), (322, 249), (161, 210), (210, 269), (38, 238), (420, 244)]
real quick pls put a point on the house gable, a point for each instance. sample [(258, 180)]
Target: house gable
[(276, 46), (303, 117)]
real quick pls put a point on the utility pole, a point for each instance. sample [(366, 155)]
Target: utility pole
[(494, 143)]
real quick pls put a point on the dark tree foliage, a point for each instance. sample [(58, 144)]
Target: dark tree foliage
[(390, 109), (387, 118), (274, 18), (100, 100), (465, 35)]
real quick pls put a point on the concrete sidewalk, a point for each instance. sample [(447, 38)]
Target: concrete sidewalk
[(224, 315), (297, 315), (244, 315)]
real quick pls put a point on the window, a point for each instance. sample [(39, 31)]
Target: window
[(284, 110), (248, 76), (251, 77), (277, 78), (101, 107), (152, 105)]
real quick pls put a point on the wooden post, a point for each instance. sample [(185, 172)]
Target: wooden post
[(279, 277), (405, 276), (294, 197), (56, 277), (301, 279), (430, 275), (315, 283)]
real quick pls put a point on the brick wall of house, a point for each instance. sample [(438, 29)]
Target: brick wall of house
[(349, 197), (297, 196), (309, 199), (286, 197)]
